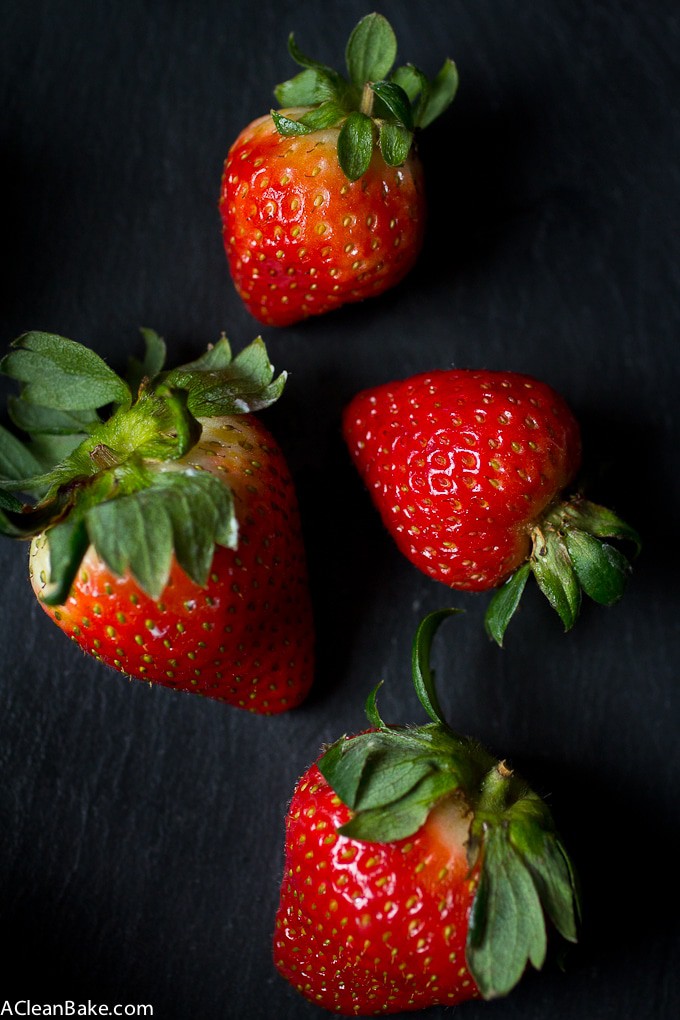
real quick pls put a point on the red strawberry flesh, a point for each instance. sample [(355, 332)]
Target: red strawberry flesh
[(397, 952), (462, 465), (300, 238)]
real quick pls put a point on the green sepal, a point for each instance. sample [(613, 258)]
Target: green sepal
[(62, 374), (16, 460), (186, 512), (594, 519), (439, 96), (532, 835), (371, 50), (20, 520), (401, 819), (355, 145), (569, 556), (373, 770), (394, 105), (396, 101), (525, 878), (309, 88), (423, 676), (371, 708), (556, 577), (395, 143), (413, 81), (308, 62), (11, 504), (219, 385), (288, 127), (392, 778), (602, 570), (37, 420), (324, 116), (151, 364), (504, 603), (507, 927)]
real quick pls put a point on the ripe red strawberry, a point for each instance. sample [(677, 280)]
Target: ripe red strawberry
[(322, 202), (468, 470), (166, 539), (418, 869)]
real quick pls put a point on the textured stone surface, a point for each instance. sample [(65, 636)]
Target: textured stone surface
[(142, 830)]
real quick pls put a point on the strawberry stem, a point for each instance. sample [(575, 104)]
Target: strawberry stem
[(495, 789), (367, 99)]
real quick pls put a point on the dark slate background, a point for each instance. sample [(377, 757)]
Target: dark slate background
[(142, 830)]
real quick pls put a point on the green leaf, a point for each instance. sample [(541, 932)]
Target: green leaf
[(440, 95), (372, 708), (202, 514), (389, 775), (555, 885), (406, 815), (596, 520), (213, 359), (374, 770), (288, 127), (8, 502), (531, 831), (343, 764), (395, 143), (371, 50), (324, 116), (35, 419), (51, 450), (355, 145), (304, 61), (184, 511), (62, 374), (16, 460), (309, 88), (553, 570), (507, 927), (396, 101), (504, 604), (412, 80), (217, 387), (423, 678), (601, 569), (152, 363), (135, 533)]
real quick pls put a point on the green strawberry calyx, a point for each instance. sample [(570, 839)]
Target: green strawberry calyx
[(570, 556), (392, 778), (102, 462), (373, 103)]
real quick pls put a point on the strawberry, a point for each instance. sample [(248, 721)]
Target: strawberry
[(322, 202), (418, 869), (468, 470), (165, 535)]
